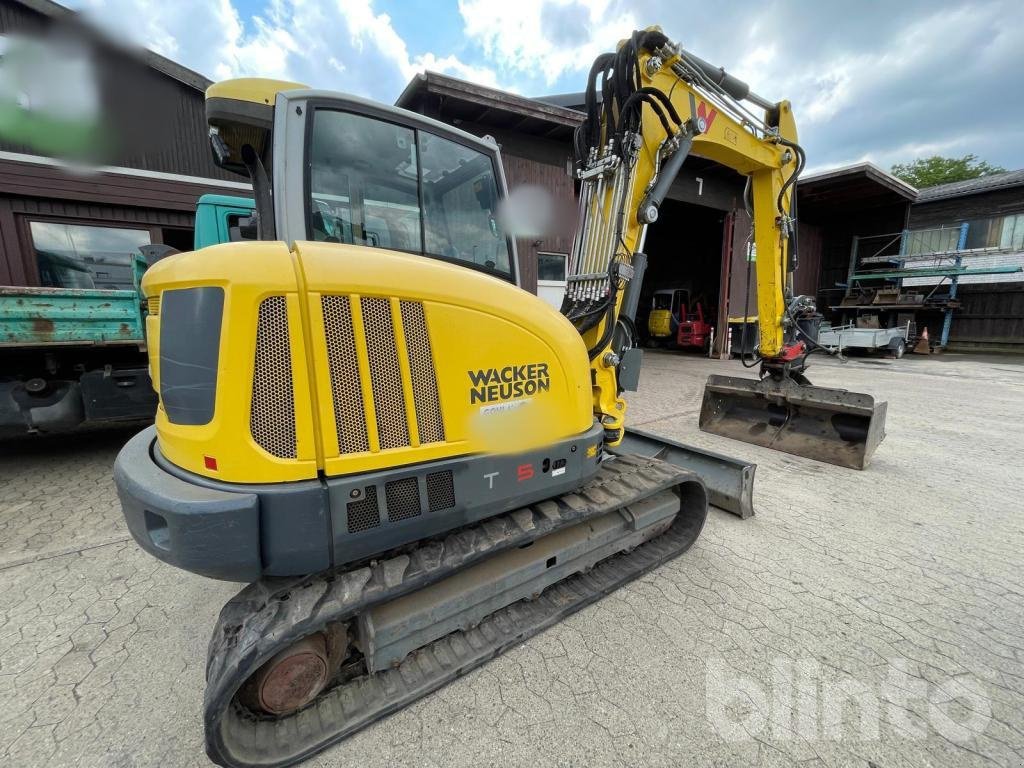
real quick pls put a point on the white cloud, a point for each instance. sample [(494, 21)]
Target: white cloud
[(879, 81), (545, 38), (336, 44)]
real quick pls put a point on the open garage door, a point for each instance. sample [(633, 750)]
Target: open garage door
[(682, 287)]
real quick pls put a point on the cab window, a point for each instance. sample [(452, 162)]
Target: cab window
[(459, 200), (382, 185)]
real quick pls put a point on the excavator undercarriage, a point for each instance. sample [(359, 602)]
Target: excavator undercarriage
[(333, 653)]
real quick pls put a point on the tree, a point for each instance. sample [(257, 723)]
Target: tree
[(929, 171)]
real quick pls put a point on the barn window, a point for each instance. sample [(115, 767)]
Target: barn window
[(86, 256), (551, 266)]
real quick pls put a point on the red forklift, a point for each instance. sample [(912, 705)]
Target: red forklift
[(694, 331)]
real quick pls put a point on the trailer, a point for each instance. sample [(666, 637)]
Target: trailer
[(849, 336)]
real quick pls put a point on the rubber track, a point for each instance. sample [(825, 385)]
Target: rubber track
[(268, 616)]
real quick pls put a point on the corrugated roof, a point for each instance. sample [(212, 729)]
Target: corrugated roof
[(996, 181)]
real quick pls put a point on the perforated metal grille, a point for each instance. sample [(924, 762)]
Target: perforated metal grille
[(440, 491), (403, 498), (272, 411), (421, 368), (385, 374), (346, 388), (153, 305), (363, 514)]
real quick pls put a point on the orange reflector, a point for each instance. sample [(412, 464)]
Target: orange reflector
[(210, 462)]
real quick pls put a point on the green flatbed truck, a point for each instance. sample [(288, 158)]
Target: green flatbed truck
[(77, 354)]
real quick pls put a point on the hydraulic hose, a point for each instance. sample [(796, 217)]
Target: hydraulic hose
[(794, 255)]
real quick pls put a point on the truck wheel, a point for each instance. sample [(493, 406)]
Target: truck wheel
[(898, 348)]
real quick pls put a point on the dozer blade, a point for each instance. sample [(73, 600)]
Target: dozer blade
[(830, 425), (729, 481)]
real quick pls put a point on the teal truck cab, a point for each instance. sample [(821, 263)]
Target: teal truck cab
[(222, 219), (76, 354)]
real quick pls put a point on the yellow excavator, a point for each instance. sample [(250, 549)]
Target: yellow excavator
[(414, 463)]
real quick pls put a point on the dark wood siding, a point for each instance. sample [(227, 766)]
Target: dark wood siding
[(15, 17), (37, 180), (113, 213), (34, 190), (13, 264), (741, 291), (959, 209), (522, 170), (808, 272), (838, 228), (155, 122), (161, 117), (184, 148), (991, 314), (991, 317)]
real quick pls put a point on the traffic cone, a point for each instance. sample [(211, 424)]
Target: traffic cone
[(923, 346)]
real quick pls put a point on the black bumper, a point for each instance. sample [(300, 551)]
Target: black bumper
[(204, 530), (240, 532)]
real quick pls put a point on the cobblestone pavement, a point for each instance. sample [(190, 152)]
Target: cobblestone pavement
[(860, 619)]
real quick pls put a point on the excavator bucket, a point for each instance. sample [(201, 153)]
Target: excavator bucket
[(830, 425)]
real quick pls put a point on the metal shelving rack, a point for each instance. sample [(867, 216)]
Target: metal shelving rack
[(945, 263)]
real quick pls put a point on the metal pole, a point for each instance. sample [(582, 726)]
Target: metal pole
[(853, 264), (902, 261), (947, 321)]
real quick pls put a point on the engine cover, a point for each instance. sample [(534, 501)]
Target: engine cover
[(275, 364)]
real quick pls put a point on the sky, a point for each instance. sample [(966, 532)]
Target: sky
[(876, 81)]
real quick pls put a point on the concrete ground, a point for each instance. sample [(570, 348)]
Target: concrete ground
[(860, 619)]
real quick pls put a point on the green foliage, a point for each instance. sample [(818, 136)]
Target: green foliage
[(929, 171)]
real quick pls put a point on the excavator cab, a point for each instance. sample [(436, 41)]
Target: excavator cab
[(358, 173)]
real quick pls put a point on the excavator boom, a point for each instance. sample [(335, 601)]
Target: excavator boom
[(650, 105)]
